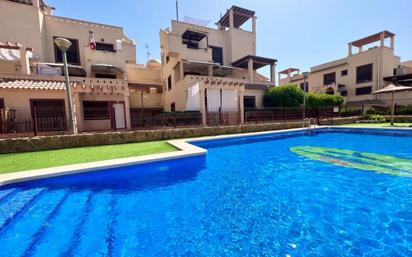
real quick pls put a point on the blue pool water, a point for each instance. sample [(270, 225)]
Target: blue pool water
[(246, 197)]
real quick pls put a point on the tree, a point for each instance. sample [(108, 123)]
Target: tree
[(283, 96), (315, 101)]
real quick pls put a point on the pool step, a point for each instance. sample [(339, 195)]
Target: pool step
[(21, 231), (7, 193), (93, 237), (55, 236), (16, 204)]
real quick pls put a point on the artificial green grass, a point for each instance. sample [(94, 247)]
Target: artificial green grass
[(378, 125), (53, 158)]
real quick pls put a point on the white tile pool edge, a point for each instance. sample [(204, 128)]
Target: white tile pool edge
[(184, 146)]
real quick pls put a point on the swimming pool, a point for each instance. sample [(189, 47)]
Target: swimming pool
[(255, 196)]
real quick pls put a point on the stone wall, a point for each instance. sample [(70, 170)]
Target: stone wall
[(13, 145)]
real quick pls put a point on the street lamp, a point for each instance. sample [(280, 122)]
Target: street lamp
[(305, 86), (64, 45)]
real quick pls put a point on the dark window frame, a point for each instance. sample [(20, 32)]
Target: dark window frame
[(344, 73), (58, 55), (221, 54), (173, 107), (2, 103), (248, 98), (363, 90), (364, 73), (169, 82), (105, 76), (101, 46), (302, 86), (104, 111), (327, 78)]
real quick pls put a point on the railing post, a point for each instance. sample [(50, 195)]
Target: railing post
[(35, 121)]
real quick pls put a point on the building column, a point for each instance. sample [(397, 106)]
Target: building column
[(254, 24), (24, 61), (203, 110), (77, 112), (250, 69), (210, 71), (273, 73), (127, 108), (392, 42), (241, 106), (350, 49), (360, 49), (382, 39), (231, 19), (182, 70)]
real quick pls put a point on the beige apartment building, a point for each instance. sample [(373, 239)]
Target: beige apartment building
[(214, 70), (373, 66), (31, 81)]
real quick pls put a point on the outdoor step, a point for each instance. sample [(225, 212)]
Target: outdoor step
[(21, 230), (55, 237), (16, 204)]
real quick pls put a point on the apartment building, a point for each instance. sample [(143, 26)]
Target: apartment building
[(214, 69), (371, 67), (101, 59)]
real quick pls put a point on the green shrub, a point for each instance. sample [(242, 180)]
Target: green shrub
[(315, 101), (374, 118), (404, 110), (350, 112), (283, 96), (377, 112)]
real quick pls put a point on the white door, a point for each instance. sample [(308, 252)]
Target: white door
[(119, 115)]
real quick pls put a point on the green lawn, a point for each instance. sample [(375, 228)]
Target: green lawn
[(52, 158), (378, 125)]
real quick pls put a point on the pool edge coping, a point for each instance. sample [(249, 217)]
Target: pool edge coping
[(185, 148)]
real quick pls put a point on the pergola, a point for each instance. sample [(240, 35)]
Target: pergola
[(235, 17), (252, 62)]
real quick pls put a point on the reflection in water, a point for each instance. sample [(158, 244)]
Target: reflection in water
[(141, 177)]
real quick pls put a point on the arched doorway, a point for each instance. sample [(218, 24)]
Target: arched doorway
[(330, 91)]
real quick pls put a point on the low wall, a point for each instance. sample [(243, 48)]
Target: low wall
[(13, 145)]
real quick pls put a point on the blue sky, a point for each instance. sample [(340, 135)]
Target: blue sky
[(299, 33)]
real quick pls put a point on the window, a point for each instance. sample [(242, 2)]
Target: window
[(329, 78), (167, 59), (96, 110), (364, 90), (344, 73), (344, 93), (302, 86), (249, 102), (104, 76), (73, 56), (1, 103), (173, 107), (105, 47), (364, 73), (217, 54), (169, 83)]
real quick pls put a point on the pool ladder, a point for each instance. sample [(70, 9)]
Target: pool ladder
[(310, 121)]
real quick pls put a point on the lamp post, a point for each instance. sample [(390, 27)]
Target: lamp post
[(64, 45), (305, 85)]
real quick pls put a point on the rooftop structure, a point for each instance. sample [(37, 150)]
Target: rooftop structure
[(359, 74)]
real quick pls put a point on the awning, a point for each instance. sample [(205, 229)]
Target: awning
[(11, 55), (106, 68), (193, 35), (74, 70)]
